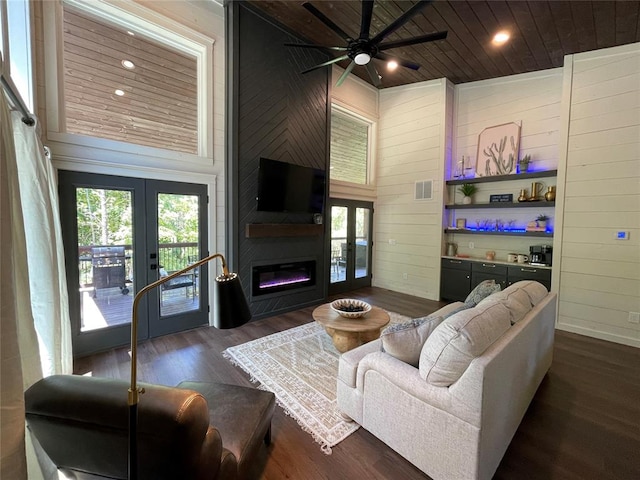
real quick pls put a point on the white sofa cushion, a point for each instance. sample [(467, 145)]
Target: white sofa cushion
[(459, 339)]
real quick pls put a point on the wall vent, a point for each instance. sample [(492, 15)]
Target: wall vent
[(424, 190)]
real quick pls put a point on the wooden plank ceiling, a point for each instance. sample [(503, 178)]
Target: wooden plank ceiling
[(542, 33), (159, 105)]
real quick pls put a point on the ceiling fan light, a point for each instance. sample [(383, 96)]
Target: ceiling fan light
[(392, 65), (362, 58)]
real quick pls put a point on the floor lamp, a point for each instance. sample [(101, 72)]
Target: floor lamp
[(230, 311)]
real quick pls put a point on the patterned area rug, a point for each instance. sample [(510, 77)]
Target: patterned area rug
[(300, 366)]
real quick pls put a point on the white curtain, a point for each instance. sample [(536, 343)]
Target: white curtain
[(34, 315)]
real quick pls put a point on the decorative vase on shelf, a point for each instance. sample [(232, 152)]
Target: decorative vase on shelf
[(466, 200), (550, 196)]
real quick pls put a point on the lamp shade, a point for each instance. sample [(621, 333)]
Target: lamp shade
[(231, 309)]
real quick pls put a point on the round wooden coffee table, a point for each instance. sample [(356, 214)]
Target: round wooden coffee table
[(349, 333)]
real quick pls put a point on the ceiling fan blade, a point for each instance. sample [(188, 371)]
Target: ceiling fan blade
[(401, 61), (320, 16), (329, 62), (373, 73), (401, 20), (346, 73), (412, 41), (367, 12), (319, 47)]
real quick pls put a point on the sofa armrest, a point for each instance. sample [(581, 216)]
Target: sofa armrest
[(405, 377), (349, 361)]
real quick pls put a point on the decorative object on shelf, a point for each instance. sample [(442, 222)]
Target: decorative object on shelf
[(452, 249), (467, 189), (499, 225), (461, 223), (498, 150), (523, 258), (536, 188), (501, 198), (459, 172), (512, 257), (523, 195), (350, 307), (490, 255), (468, 169), (550, 196), (523, 164), (541, 220), (317, 218)]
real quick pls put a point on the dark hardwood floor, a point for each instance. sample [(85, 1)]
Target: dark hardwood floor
[(583, 423)]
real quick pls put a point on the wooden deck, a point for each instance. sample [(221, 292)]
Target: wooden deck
[(110, 307)]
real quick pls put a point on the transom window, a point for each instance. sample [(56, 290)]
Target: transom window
[(350, 147), (123, 77), (120, 85)]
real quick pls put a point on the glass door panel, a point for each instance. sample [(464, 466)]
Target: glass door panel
[(178, 247), (338, 244), (363, 242), (105, 256)]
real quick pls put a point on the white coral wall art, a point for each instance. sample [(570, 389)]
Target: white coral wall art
[(498, 150)]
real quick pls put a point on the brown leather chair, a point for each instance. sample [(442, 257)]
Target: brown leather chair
[(82, 425)]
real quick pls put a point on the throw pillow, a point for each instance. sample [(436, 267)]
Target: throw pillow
[(516, 301), (453, 345), (404, 341), (482, 291)]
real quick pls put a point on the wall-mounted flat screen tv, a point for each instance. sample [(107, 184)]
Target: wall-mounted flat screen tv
[(285, 187)]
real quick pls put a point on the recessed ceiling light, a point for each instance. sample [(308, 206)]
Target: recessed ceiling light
[(392, 65), (500, 38), (119, 92), (128, 64)]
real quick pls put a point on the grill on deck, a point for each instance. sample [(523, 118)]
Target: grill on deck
[(108, 268)]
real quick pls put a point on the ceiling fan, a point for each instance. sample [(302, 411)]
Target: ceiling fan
[(362, 49)]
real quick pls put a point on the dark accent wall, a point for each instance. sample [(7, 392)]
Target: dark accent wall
[(273, 112)]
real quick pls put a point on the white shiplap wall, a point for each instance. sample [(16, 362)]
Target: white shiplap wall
[(600, 276), (411, 147), (532, 100)]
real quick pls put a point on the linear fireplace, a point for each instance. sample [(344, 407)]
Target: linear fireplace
[(281, 277)]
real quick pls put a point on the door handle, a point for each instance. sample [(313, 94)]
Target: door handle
[(455, 261), (531, 270), (490, 265)]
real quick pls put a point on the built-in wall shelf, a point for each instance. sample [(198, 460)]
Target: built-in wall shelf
[(498, 232), (502, 178), (263, 230), (500, 205)]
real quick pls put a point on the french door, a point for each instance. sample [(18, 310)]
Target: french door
[(121, 234), (351, 244)]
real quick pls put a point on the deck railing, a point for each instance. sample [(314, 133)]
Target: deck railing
[(171, 256)]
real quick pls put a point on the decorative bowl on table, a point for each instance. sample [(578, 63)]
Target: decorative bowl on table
[(350, 307)]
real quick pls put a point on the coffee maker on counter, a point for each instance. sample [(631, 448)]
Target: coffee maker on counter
[(540, 255)]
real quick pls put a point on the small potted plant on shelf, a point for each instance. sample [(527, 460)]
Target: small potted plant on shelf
[(467, 189), (541, 221), (523, 164)]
